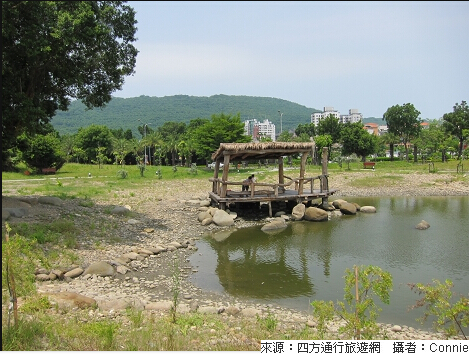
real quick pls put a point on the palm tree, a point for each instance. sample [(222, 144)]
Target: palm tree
[(154, 142), (120, 149)]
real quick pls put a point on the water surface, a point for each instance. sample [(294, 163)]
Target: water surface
[(307, 260)]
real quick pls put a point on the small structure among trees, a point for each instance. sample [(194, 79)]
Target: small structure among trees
[(301, 189)]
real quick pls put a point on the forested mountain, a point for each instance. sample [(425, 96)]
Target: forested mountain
[(125, 112)]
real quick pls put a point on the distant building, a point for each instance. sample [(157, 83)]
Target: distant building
[(353, 116), (382, 129), (258, 129), (371, 128)]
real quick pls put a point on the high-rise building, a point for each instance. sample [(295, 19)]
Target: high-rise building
[(352, 117), (258, 129)]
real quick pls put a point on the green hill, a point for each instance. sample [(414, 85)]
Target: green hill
[(125, 112)]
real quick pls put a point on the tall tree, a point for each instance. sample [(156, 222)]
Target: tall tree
[(307, 128), (121, 148), (221, 128), (391, 140), (356, 140), (56, 51), (431, 140), (330, 126), (322, 141), (457, 123), (285, 136), (172, 134), (404, 122), (94, 140), (42, 151)]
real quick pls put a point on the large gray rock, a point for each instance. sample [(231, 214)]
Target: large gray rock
[(100, 268), (29, 200), (276, 224), (156, 249), (120, 210), (315, 214), (120, 304), (251, 312), (14, 212), (207, 221), (422, 225), (368, 209), (298, 212), (222, 218), (50, 200), (5, 214), (338, 202), (73, 273), (70, 300), (175, 244), (131, 255), (204, 215), (348, 208)]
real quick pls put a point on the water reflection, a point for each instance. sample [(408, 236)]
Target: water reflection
[(307, 260), (262, 269)]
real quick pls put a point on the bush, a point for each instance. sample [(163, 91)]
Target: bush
[(122, 174), (42, 151), (362, 285)]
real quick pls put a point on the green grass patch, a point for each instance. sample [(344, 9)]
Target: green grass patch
[(61, 232), (376, 181)]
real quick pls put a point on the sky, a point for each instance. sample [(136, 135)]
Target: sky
[(347, 55)]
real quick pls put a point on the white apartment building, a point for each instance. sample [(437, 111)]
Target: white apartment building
[(353, 116), (258, 129)]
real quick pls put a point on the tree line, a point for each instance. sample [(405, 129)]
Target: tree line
[(178, 143)]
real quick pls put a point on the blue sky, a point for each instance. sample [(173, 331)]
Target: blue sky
[(364, 55)]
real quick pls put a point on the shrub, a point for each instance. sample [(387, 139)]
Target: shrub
[(361, 285), (450, 318), (42, 151)]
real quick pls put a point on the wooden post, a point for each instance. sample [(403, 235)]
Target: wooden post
[(224, 178), (324, 184), (302, 173), (281, 180), (215, 178)]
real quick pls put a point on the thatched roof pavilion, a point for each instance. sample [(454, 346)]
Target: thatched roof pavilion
[(227, 153), (268, 150)]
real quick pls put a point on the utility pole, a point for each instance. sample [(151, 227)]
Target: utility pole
[(145, 147), (281, 115)]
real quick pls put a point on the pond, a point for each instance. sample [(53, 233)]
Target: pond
[(307, 260)]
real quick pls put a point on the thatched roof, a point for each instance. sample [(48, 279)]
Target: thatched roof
[(268, 150)]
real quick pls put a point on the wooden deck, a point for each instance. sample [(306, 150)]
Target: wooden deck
[(269, 192)]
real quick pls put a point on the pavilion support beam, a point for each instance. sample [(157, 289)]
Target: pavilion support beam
[(215, 186), (302, 173), (324, 182), (281, 180), (224, 178)]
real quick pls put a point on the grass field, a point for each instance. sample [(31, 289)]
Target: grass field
[(84, 181)]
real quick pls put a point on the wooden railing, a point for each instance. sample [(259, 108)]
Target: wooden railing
[(221, 188)]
